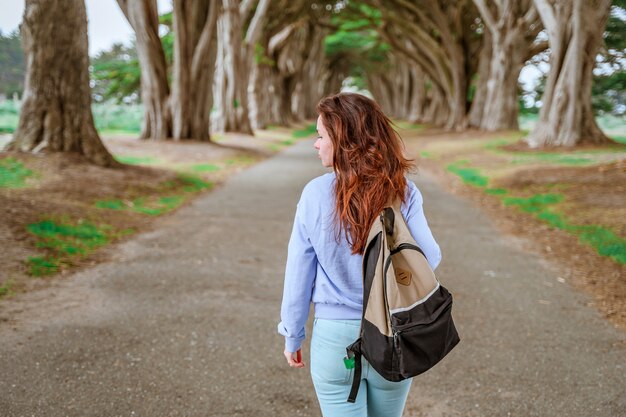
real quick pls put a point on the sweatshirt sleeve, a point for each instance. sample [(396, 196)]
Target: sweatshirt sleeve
[(300, 274), (418, 226)]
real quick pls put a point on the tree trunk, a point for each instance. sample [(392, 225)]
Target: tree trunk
[(575, 32), (477, 110), (234, 104), (513, 26), (144, 19), (418, 95), (194, 68), (237, 58), (56, 110)]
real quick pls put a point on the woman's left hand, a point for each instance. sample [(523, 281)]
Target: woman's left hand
[(294, 359)]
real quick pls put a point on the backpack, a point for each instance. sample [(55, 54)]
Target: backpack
[(407, 325)]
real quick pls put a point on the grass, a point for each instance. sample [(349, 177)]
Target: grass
[(154, 205), (619, 139), (305, 133), (137, 160), (469, 175), (6, 289), (204, 168), (150, 206), (13, 174), (65, 241), (404, 125), (603, 240), (108, 117)]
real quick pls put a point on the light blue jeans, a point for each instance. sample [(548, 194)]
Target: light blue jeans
[(377, 397)]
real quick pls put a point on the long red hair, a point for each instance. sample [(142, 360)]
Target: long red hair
[(368, 160)]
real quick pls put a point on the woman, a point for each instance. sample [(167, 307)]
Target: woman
[(330, 230)]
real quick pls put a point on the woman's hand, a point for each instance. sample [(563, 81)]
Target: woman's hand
[(294, 359)]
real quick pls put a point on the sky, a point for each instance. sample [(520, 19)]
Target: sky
[(107, 25)]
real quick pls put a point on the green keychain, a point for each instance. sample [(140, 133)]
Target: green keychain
[(349, 362)]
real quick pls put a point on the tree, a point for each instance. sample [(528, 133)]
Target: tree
[(116, 75), (239, 35), (194, 67), (56, 110), (575, 29), (439, 37), (144, 19), (513, 25)]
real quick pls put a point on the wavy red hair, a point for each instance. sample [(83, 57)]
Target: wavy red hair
[(368, 160)]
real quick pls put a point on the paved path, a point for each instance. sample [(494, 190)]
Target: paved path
[(182, 321)]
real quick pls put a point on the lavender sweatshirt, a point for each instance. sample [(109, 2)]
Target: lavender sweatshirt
[(325, 272)]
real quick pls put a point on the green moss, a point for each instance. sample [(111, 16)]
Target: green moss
[(619, 139), (426, 154), (13, 174), (469, 175)]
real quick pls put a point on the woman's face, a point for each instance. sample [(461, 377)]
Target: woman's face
[(324, 145)]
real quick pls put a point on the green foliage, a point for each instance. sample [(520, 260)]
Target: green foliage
[(12, 66), (356, 48), (13, 174), (261, 57), (469, 175), (609, 92), (116, 75), (166, 21)]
